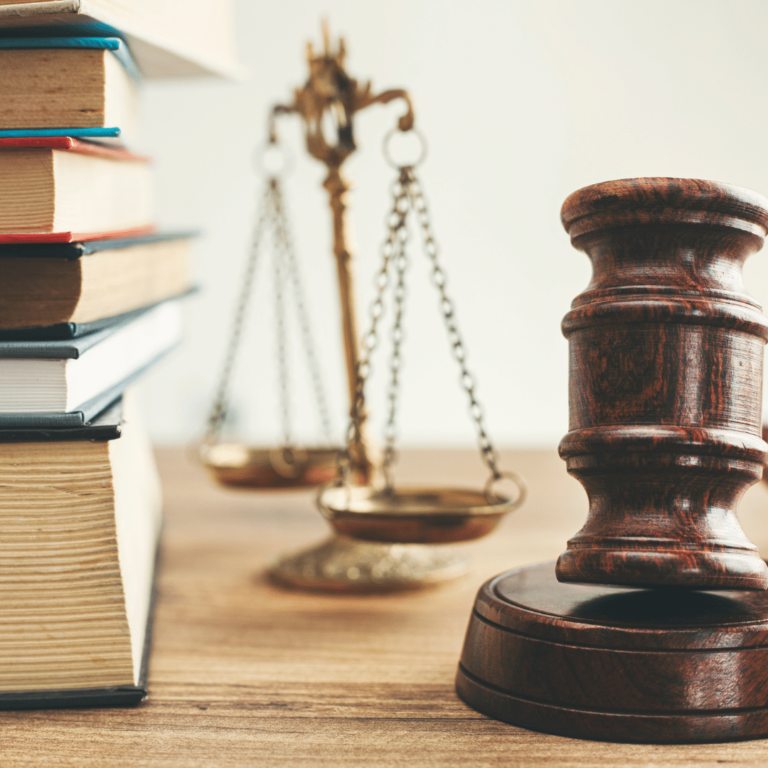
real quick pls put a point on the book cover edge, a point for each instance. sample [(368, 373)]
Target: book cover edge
[(66, 143), (106, 425), (73, 133), (73, 250), (71, 237), (71, 331), (72, 348), (115, 45)]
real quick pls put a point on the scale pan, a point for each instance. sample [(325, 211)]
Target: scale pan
[(235, 464), (412, 515)]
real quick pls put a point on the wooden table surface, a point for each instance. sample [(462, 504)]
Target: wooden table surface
[(246, 674)]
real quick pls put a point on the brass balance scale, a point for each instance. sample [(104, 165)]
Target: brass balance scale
[(384, 536)]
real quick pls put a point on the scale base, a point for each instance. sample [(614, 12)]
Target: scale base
[(669, 666), (341, 564)]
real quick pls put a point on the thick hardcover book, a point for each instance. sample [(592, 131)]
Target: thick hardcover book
[(63, 384), (106, 696), (79, 531), (68, 86), (63, 290), (173, 38), (52, 188)]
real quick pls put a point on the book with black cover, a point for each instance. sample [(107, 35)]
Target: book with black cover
[(106, 425), (76, 250), (65, 290), (67, 331), (65, 349), (65, 384), (74, 420)]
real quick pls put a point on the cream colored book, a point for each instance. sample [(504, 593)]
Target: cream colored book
[(59, 189), (168, 38), (79, 526)]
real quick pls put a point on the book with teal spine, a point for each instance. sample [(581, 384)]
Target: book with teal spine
[(169, 39), (115, 45), (84, 87)]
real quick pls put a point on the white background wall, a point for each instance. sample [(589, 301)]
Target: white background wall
[(522, 103)]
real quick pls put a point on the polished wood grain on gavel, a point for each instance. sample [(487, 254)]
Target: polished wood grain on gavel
[(666, 367), (666, 360)]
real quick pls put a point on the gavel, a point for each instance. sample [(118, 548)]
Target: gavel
[(665, 384)]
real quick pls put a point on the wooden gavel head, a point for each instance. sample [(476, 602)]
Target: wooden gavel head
[(665, 384)]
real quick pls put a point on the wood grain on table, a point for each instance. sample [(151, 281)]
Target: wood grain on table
[(246, 674)]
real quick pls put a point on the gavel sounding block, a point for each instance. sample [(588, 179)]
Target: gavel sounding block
[(618, 663)]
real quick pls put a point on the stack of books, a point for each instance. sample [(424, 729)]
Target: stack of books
[(89, 300)]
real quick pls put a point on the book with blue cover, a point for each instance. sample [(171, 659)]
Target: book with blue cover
[(83, 87)]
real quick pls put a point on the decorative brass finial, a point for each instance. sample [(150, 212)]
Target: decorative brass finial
[(330, 90)]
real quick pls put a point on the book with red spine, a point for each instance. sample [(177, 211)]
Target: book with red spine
[(58, 189)]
